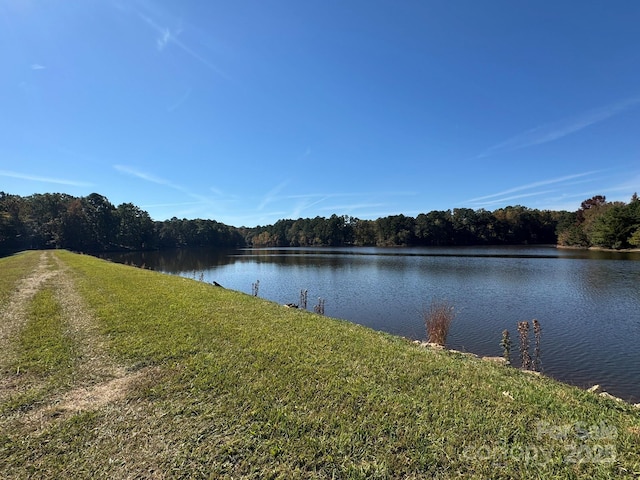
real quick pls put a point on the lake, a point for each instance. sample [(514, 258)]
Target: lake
[(587, 302)]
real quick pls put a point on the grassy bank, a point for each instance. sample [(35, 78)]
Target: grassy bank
[(204, 382)]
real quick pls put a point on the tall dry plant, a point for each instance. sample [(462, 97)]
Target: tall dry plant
[(437, 320), (537, 332), (523, 330), (319, 308), (505, 343)]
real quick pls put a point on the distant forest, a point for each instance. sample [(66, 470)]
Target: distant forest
[(93, 224)]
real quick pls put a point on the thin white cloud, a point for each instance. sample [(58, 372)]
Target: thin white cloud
[(307, 153), (202, 200), (159, 205), (309, 200), (302, 206), (36, 178), (181, 101), (147, 177), (561, 196), (568, 201), (272, 195), (351, 207), (165, 36), (306, 202), (352, 194), (557, 130), (631, 182), (37, 66), (532, 185), (500, 200), (163, 39)]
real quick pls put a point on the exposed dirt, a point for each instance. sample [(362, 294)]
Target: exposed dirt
[(97, 381), (84, 399), (95, 364), (13, 318), (13, 315)]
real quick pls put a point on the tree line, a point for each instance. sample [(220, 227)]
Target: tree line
[(460, 226), (93, 224)]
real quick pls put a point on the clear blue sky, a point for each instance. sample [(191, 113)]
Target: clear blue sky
[(247, 112)]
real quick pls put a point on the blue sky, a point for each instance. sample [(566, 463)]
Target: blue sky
[(247, 112)]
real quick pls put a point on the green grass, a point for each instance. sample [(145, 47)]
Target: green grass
[(45, 349), (45, 355), (13, 269), (240, 387)]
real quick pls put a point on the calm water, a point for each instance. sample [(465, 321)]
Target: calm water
[(588, 303)]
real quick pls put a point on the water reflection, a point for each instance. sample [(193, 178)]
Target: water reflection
[(175, 261)]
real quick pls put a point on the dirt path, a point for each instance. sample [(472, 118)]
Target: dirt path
[(14, 317), (97, 378), (14, 314), (95, 364)]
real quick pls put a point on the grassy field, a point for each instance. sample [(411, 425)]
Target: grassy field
[(110, 371)]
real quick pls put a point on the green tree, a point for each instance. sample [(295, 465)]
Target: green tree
[(616, 225), (613, 227), (44, 213), (465, 226), (11, 227), (336, 230), (101, 220), (573, 236), (135, 227), (395, 230), (434, 228), (75, 228), (364, 232), (592, 204)]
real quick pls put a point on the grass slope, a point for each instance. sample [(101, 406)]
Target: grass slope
[(231, 386)]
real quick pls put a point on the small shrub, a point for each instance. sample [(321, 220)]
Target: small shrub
[(437, 320)]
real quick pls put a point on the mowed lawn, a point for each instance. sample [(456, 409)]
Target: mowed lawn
[(110, 371)]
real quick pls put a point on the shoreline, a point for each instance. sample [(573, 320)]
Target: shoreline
[(595, 389), (599, 249)]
